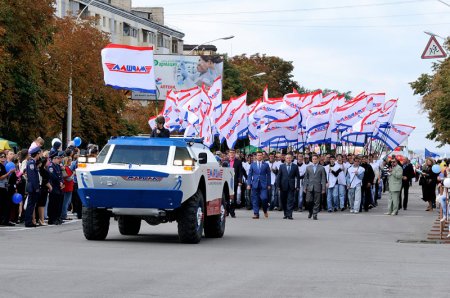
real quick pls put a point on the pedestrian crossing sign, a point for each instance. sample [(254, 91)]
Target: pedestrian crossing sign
[(433, 50)]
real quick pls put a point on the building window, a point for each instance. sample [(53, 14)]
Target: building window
[(129, 31), (174, 46), (144, 35), (104, 22), (160, 40), (97, 19), (115, 26), (151, 37)]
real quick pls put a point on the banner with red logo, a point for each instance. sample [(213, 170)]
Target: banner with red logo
[(129, 67)]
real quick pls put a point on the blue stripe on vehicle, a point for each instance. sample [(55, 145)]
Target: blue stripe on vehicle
[(130, 198), (179, 183), (82, 180), (128, 172)]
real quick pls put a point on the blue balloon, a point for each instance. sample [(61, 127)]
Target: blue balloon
[(436, 169), (10, 166), (77, 141), (17, 198)]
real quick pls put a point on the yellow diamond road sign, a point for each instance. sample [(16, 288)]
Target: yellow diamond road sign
[(433, 50)]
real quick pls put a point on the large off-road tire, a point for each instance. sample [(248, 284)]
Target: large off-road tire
[(190, 219), (215, 224), (129, 225), (95, 223)]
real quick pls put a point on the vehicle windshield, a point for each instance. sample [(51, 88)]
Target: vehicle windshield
[(141, 155)]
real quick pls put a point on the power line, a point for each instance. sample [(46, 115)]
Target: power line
[(300, 9), (444, 3), (324, 19), (313, 26)]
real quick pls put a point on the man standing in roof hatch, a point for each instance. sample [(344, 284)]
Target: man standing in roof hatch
[(160, 131)]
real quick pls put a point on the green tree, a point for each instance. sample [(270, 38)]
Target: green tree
[(278, 77), (97, 109), (26, 30), (435, 92)]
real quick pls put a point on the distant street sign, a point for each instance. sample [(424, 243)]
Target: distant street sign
[(136, 95), (433, 50)]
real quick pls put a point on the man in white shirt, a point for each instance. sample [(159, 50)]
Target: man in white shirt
[(355, 175), (341, 182), (247, 194), (375, 164), (273, 194), (333, 171), (301, 169)]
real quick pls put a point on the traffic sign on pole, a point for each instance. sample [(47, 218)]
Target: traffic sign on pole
[(433, 50)]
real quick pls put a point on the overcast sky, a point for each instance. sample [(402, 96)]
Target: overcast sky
[(368, 45)]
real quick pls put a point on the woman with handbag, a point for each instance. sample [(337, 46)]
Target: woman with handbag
[(428, 180)]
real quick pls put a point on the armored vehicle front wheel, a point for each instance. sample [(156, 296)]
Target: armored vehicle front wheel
[(129, 225), (190, 219), (95, 223)]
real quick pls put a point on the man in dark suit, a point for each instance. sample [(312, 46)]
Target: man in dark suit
[(408, 174), (259, 182), (315, 185), (236, 164), (288, 181), (366, 186)]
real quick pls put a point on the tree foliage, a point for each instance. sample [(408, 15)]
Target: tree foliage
[(75, 52), (435, 92), (26, 30), (278, 77)]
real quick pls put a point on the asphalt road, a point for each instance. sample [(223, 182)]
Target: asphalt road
[(340, 255)]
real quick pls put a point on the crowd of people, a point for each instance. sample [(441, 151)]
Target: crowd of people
[(44, 181), (298, 181), (290, 181)]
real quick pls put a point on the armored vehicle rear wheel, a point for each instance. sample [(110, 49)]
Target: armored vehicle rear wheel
[(95, 223), (215, 224), (190, 219), (129, 225)]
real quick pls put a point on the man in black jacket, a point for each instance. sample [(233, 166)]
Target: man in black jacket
[(288, 181), (160, 131), (236, 164), (408, 174), (366, 186)]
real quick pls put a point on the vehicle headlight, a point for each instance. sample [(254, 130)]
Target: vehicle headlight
[(82, 159), (92, 159), (177, 162), (188, 162)]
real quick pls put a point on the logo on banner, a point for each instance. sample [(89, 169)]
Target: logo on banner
[(134, 69)]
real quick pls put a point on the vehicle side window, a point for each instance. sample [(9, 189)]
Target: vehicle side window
[(182, 154), (102, 155)]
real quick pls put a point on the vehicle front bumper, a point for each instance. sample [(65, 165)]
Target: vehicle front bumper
[(130, 198)]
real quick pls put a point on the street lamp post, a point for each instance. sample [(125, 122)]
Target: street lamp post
[(69, 98), (197, 46), (432, 34)]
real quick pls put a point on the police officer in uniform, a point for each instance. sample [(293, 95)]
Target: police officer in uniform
[(56, 196), (160, 131), (33, 186)]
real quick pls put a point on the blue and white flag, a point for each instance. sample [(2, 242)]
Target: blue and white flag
[(128, 67), (428, 153)]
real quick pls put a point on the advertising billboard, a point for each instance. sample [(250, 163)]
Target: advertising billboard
[(180, 72)]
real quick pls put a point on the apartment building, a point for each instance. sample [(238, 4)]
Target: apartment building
[(136, 26)]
